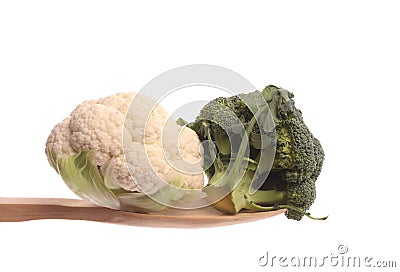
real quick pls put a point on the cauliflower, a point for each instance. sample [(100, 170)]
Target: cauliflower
[(118, 150)]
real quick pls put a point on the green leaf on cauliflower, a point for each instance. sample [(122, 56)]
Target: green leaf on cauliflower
[(83, 177)]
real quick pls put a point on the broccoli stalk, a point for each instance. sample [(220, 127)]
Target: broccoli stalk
[(270, 200), (290, 184), (240, 198)]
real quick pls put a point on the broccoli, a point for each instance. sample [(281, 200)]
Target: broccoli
[(245, 130)]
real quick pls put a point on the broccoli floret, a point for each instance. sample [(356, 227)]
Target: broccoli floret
[(221, 117), (290, 183), (299, 155)]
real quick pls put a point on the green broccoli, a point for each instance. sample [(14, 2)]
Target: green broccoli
[(245, 130)]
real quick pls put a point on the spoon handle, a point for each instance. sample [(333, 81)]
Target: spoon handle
[(25, 209)]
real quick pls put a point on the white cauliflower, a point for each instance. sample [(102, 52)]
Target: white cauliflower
[(129, 155)]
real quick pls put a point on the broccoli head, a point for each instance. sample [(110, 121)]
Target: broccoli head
[(287, 179)]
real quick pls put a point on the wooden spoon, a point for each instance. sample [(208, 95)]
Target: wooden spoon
[(25, 209)]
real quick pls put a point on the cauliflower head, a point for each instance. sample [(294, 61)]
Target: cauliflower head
[(123, 144)]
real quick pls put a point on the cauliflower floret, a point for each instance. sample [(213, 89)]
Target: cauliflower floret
[(59, 138), (132, 157)]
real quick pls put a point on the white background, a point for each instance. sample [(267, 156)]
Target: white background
[(341, 59)]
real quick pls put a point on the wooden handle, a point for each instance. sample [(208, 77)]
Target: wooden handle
[(25, 209)]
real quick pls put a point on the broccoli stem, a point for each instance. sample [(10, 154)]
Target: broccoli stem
[(270, 200), (240, 198), (276, 207), (233, 171), (223, 143), (270, 197)]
